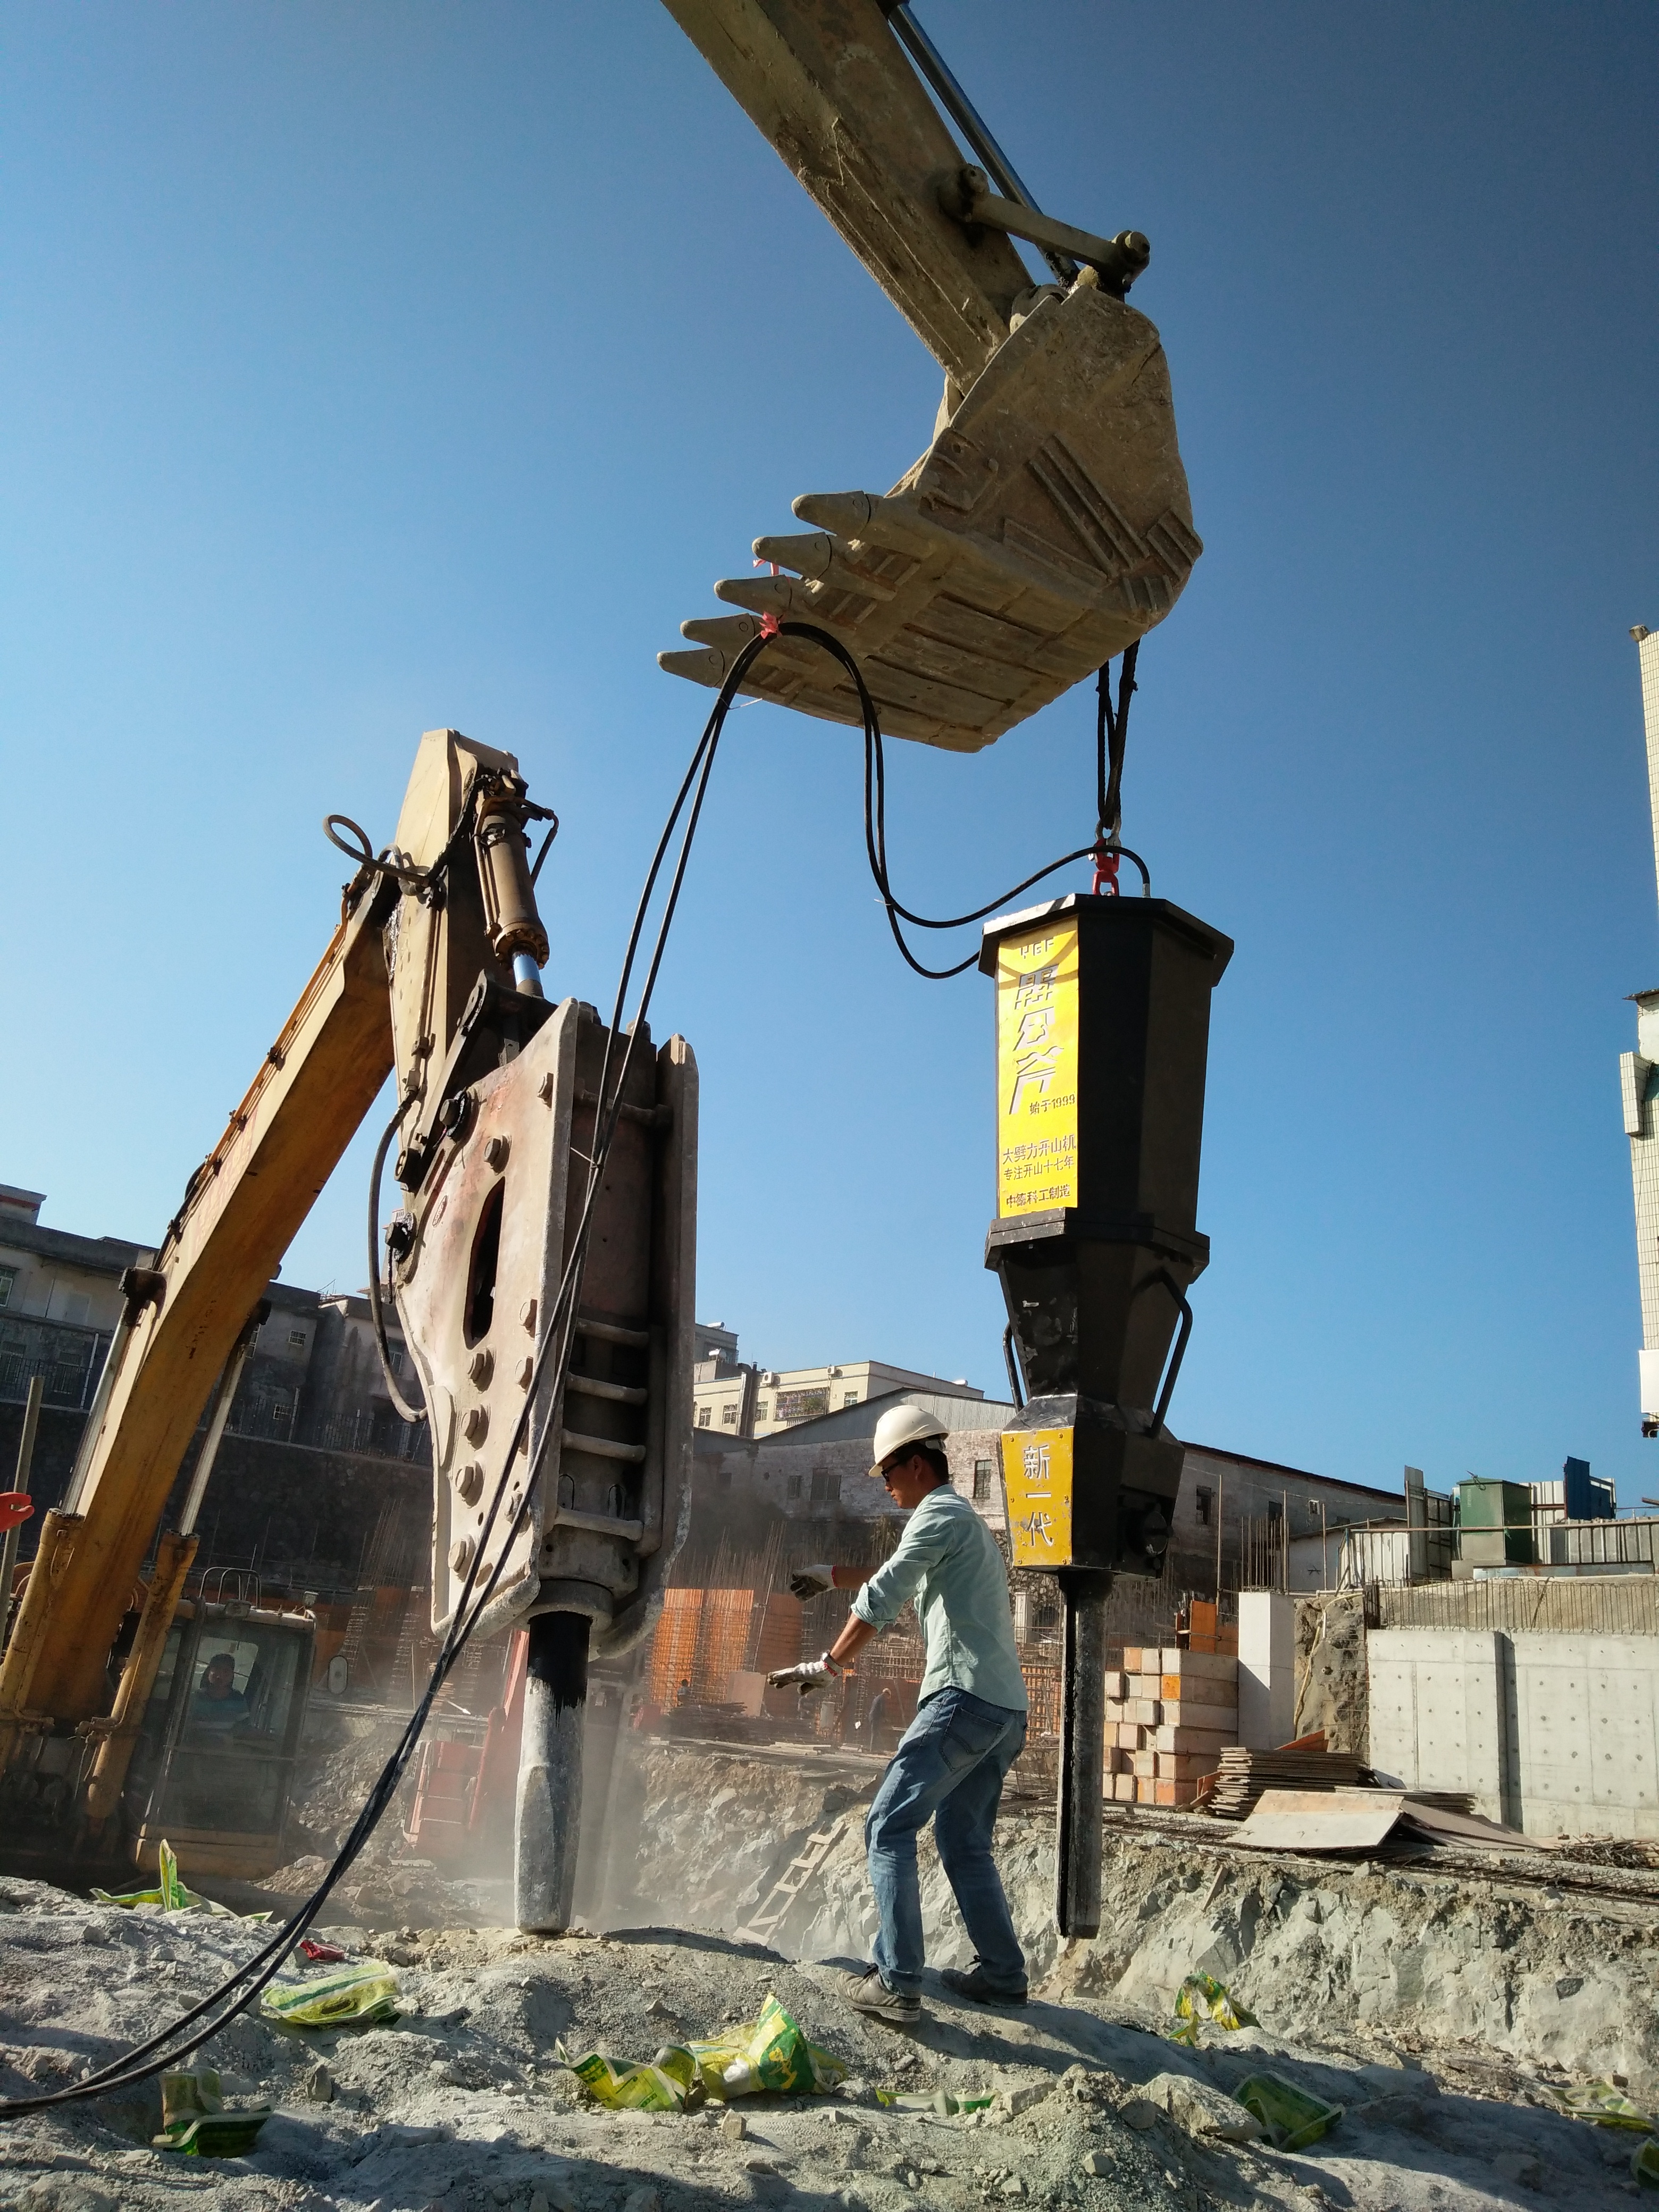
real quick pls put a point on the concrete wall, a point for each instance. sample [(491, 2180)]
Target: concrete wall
[(1555, 1734)]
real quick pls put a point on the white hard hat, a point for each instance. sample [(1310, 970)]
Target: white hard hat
[(905, 1424)]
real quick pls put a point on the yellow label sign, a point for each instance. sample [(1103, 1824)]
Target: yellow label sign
[(1036, 1475), (1037, 1070)]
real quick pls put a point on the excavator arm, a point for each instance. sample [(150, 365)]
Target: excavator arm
[(434, 971), (1047, 525)]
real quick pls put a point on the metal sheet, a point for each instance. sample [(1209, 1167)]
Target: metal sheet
[(1321, 1820)]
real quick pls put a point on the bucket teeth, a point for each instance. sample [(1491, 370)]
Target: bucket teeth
[(730, 632), (1045, 529), (808, 555)]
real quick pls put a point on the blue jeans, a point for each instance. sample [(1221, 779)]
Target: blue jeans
[(949, 1767)]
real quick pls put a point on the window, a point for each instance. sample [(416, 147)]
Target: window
[(982, 1481), (1204, 1500), (394, 1358), (8, 1281), (729, 1414), (1045, 1613), (1275, 1511), (705, 1415), (849, 1397), (296, 1340), (792, 1488), (761, 1413), (826, 1487)]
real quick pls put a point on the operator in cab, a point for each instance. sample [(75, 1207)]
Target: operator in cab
[(969, 1726), (218, 1705)]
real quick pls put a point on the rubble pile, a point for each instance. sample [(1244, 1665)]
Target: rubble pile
[(463, 2104)]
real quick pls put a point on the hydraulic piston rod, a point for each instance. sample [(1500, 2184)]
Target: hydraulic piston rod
[(549, 1810)]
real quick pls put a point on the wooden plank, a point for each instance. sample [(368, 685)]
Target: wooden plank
[(1321, 1820)]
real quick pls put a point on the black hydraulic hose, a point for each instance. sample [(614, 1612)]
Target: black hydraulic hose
[(204, 2019), (406, 1411)]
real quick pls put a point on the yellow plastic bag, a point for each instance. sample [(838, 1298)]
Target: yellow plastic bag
[(1201, 1997), (767, 2053), (663, 2085), (365, 1994), (1292, 2117), (1606, 2107)]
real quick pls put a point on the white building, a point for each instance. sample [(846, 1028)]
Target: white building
[(1640, 1084), (747, 1401)]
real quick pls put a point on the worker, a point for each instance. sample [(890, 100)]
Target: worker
[(969, 1726), (879, 1717), (218, 1703)]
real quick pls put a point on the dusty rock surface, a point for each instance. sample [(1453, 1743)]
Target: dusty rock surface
[(1443, 2010)]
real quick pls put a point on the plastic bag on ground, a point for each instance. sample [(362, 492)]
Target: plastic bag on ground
[(171, 1894), (662, 2085), (1607, 2107), (1644, 2162), (767, 2053), (1201, 1997), (364, 1994), (195, 2122), (1292, 2117)]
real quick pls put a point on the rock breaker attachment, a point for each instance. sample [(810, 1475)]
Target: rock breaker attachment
[(1046, 528), (496, 1167)]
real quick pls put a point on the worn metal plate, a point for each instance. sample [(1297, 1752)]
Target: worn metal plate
[(1321, 1820), (1047, 527)]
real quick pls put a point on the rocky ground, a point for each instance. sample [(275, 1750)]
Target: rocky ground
[(1445, 2009)]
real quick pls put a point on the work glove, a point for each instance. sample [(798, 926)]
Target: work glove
[(811, 1582), (811, 1674)]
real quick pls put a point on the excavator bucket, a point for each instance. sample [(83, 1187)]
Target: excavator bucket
[(1046, 528)]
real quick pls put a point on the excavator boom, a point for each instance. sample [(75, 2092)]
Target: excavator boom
[(1047, 527)]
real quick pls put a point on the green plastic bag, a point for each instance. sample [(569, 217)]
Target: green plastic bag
[(767, 2053), (1644, 2162), (194, 2120), (1291, 2116), (365, 1994), (663, 2085), (1201, 1997), (171, 1894), (1606, 2107)]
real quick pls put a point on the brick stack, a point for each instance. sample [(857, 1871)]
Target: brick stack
[(1169, 1713)]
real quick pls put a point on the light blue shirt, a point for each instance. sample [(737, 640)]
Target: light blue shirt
[(947, 1560)]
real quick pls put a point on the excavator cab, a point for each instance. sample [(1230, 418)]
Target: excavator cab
[(213, 1768)]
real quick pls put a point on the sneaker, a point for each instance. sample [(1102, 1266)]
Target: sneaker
[(869, 1993), (973, 1985)]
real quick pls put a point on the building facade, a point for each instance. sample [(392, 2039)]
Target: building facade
[(743, 1401), (314, 1453), (1638, 1082)]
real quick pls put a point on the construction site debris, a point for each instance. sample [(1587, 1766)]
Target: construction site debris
[(1321, 1820), (197, 2121), (1202, 2109), (1242, 1775), (768, 2053), (170, 1894), (362, 1995), (1201, 1997), (1606, 2106), (1291, 2117)]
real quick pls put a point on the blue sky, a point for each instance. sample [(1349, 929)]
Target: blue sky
[(370, 369)]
